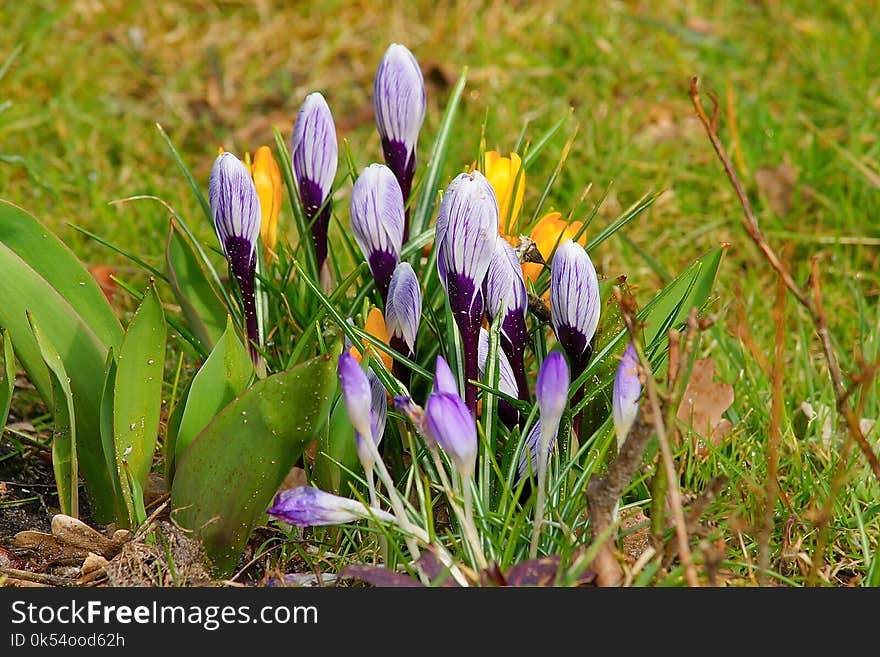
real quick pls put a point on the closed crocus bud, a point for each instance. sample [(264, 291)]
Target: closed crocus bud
[(403, 309), (235, 208), (574, 302), (505, 292), (467, 227), (625, 394), (356, 393), (451, 424), (315, 152), (399, 104), (378, 416), (267, 180), (551, 389), (444, 379), (306, 506), (377, 222)]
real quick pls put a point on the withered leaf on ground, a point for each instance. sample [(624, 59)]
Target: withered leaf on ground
[(704, 403)]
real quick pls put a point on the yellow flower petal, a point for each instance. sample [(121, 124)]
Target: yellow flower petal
[(267, 180), (508, 179), (548, 233)]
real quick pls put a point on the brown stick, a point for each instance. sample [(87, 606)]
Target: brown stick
[(813, 303)]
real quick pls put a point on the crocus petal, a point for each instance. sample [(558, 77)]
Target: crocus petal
[(235, 206), (528, 459), (314, 151), (399, 103), (505, 174), (506, 379), (466, 230), (306, 506), (444, 379), (551, 390), (505, 293), (267, 180), (403, 310), (377, 221), (452, 426), (355, 392), (626, 393), (574, 298)]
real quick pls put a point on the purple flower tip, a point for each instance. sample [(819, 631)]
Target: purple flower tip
[(450, 423), (551, 390), (626, 393), (356, 393), (306, 506), (444, 379)]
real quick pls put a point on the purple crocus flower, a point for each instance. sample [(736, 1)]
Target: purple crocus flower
[(507, 382), (444, 379), (235, 208), (399, 105), (315, 152), (403, 309), (574, 302), (451, 424), (626, 393), (378, 418), (356, 393), (467, 226), (306, 506), (505, 292), (377, 222)]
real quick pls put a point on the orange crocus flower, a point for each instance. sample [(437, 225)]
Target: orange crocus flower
[(551, 231), (375, 326), (267, 180)]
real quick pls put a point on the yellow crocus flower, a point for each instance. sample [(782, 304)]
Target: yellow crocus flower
[(267, 180), (508, 179)]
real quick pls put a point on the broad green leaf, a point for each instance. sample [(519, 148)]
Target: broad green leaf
[(137, 395), (64, 462), (204, 309), (51, 259), (106, 430), (424, 206), (336, 453), (83, 353), (7, 377), (689, 289), (228, 477), (222, 377)]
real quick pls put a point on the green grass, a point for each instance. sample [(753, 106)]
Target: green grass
[(83, 85)]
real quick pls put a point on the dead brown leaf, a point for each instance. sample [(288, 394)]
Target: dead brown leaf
[(703, 405)]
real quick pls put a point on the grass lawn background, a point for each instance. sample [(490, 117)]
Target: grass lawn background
[(84, 82)]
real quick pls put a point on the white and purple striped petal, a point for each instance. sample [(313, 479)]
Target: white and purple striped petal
[(314, 154), (506, 379), (399, 103), (626, 393), (403, 309), (306, 506), (574, 301), (377, 220), (528, 458), (551, 390), (451, 424), (235, 207)]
